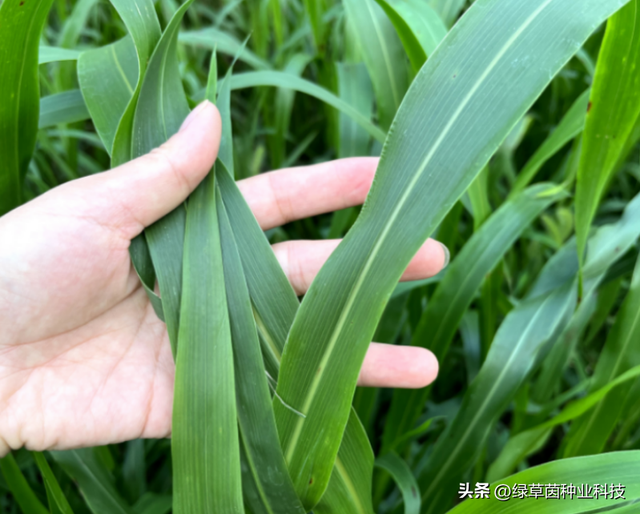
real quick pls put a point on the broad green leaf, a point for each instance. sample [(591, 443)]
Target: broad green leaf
[(58, 503), (275, 305), (159, 113), (419, 27), (225, 43), (55, 54), (615, 106), (19, 487), (60, 108), (94, 480), (522, 444), (141, 20), (19, 93), (264, 462), (590, 432), (569, 127), (478, 196), (459, 285), (441, 138), (383, 54), (403, 476), (611, 468), (108, 78), (204, 441)]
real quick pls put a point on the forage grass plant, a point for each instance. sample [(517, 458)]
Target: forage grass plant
[(506, 128)]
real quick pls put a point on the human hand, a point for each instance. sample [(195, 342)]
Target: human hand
[(84, 361)]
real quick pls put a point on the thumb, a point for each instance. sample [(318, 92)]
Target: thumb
[(140, 192)]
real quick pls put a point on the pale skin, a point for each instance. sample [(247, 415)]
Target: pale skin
[(84, 361)]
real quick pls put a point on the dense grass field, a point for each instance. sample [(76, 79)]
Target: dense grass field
[(512, 131)]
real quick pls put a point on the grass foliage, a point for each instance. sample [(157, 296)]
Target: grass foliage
[(508, 129)]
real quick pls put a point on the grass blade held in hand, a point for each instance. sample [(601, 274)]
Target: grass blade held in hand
[(205, 446), (267, 469)]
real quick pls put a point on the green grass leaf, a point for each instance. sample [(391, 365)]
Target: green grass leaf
[(49, 54), (265, 467), (615, 107), (108, 77), (62, 108), (522, 339), (457, 289), (383, 55), (569, 127), (94, 479), (275, 305), (19, 487), (419, 27), (440, 140), (590, 433), (19, 93), (205, 446), (58, 503), (403, 476), (524, 443), (225, 43)]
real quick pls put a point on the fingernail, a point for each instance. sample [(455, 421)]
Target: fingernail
[(194, 115), (447, 255)]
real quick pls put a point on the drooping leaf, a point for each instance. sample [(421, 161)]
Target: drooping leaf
[(403, 476), (225, 43), (22, 24), (419, 27), (49, 54), (160, 110), (108, 77)]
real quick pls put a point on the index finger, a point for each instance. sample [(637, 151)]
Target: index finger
[(279, 197)]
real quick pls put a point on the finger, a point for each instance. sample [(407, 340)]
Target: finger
[(406, 367), (302, 260), (138, 193), (286, 195)]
